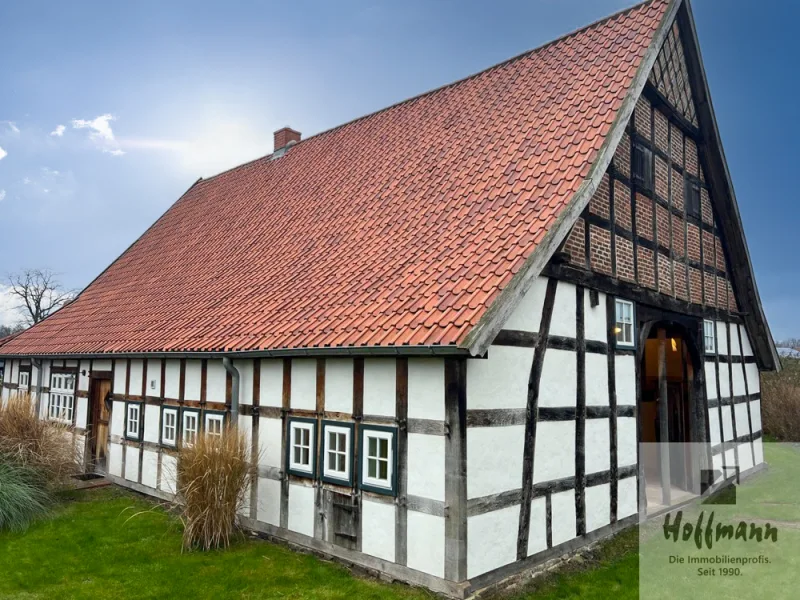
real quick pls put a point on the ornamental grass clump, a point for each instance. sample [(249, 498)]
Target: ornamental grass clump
[(213, 477), (24, 495), (44, 446)]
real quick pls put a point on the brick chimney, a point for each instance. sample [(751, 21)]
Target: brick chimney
[(285, 137)]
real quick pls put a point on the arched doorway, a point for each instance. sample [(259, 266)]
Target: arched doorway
[(671, 409)]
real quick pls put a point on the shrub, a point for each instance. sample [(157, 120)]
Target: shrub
[(29, 441), (780, 401), (23, 495), (213, 477)]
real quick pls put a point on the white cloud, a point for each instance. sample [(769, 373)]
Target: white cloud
[(12, 127), (58, 131), (8, 311), (2, 195), (100, 126), (3, 154), (114, 151)]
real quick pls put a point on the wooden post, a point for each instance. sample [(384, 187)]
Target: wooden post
[(663, 417)]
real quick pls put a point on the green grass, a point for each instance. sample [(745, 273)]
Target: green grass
[(92, 548)]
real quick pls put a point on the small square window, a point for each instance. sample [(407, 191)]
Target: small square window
[(24, 379), (189, 426), (214, 423), (133, 413), (624, 327), (169, 426), (642, 166), (378, 460), (337, 453), (709, 337), (302, 447)]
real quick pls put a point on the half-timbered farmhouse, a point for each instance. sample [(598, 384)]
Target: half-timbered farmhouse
[(445, 326)]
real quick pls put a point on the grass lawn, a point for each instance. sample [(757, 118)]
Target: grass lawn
[(92, 548)]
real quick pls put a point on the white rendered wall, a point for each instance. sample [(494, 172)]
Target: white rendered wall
[(598, 445), (192, 376), (528, 313), (498, 470), (501, 380), (118, 418), (153, 383), (120, 376), (492, 540), (380, 382), (564, 518), (626, 441), (377, 529), (537, 533), (426, 475), (304, 384), (172, 379), (598, 506), (625, 379), (137, 367), (558, 383), (596, 379), (81, 406), (425, 543), (594, 318), (301, 509), (245, 368), (269, 501), (132, 463), (425, 389), (115, 459), (554, 451), (627, 497), (563, 320), (271, 382), (150, 468), (216, 377), (169, 473), (339, 385), (269, 441)]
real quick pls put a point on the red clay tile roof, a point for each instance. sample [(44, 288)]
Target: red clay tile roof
[(399, 228)]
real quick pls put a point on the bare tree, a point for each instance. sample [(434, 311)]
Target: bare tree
[(39, 294)]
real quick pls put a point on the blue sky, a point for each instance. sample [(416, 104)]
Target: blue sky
[(153, 95)]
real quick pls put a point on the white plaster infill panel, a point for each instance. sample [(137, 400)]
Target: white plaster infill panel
[(596, 379), (501, 379), (558, 385), (303, 392), (301, 509), (494, 459), (425, 546), (527, 316), (377, 529), (339, 385), (426, 465), (554, 452), (492, 540), (594, 318), (426, 388), (191, 386), (380, 383), (564, 319), (135, 383)]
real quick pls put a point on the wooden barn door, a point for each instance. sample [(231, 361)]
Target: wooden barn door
[(99, 389)]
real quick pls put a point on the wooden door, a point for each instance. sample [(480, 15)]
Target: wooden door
[(99, 390)]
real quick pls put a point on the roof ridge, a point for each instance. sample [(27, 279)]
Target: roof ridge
[(445, 86)]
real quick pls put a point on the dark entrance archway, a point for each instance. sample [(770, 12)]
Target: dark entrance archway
[(671, 408)]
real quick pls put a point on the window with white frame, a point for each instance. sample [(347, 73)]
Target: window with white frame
[(62, 397), (24, 379), (190, 425), (709, 337), (214, 422), (377, 468), (133, 415), (337, 452), (169, 426), (624, 325), (301, 447)]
